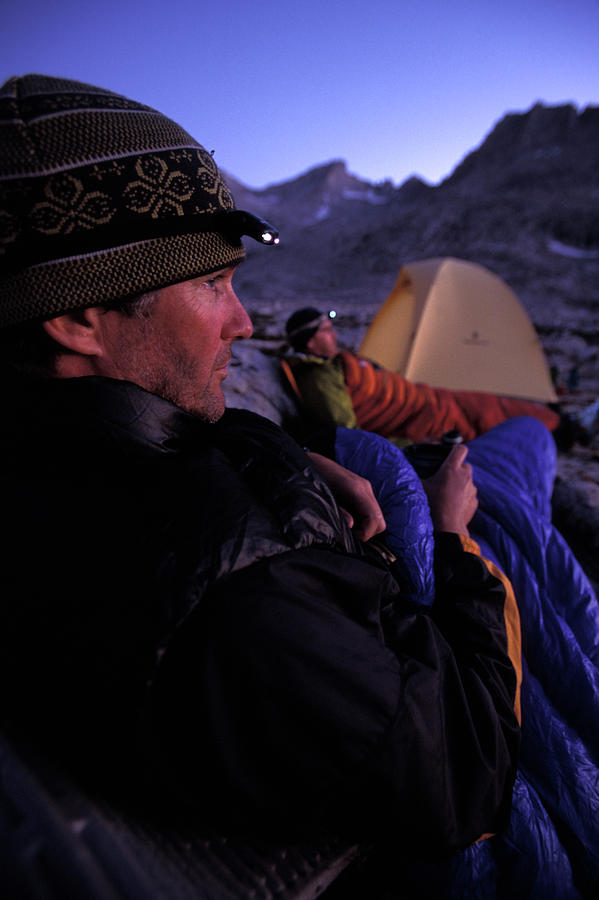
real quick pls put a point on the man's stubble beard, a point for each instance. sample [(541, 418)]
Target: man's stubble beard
[(172, 375)]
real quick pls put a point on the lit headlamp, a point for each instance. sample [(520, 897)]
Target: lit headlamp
[(305, 322), (235, 223), (331, 314)]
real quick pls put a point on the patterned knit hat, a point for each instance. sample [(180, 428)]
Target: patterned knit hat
[(102, 199)]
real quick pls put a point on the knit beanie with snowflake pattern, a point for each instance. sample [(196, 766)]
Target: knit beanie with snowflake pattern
[(102, 199)]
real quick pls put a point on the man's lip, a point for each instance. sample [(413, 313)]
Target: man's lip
[(223, 367)]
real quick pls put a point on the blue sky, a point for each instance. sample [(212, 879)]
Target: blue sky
[(274, 88)]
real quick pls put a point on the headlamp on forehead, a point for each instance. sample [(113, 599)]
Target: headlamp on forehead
[(319, 319), (237, 222), (232, 224), (305, 322)]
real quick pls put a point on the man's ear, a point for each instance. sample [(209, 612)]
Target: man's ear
[(78, 331)]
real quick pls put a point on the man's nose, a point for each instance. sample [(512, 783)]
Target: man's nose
[(238, 326)]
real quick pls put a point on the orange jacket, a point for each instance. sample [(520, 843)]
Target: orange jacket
[(393, 407)]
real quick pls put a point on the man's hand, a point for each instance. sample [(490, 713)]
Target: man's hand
[(452, 494), (354, 495)]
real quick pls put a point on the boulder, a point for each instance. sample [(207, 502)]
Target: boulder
[(256, 382)]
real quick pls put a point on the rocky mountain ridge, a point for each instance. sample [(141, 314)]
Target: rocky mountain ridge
[(547, 150)]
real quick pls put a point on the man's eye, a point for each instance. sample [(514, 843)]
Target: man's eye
[(218, 280)]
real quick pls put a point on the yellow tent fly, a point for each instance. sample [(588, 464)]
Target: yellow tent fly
[(454, 324)]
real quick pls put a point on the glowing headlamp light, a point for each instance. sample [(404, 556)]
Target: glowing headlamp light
[(237, 222)]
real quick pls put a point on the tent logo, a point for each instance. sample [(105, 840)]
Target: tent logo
[(476, 340)]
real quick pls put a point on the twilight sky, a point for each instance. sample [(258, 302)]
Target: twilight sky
[(393, 87)]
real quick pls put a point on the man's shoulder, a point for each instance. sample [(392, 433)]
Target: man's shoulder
[(240, 433), (240, 423), (296, 360), (310, 366)]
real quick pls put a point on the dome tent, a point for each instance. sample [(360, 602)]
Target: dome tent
[(454, 324)]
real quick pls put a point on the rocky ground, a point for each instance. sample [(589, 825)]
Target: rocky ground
[(576, 493)]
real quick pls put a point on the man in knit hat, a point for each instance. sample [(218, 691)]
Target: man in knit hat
[(105, 200), (185, 607)]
